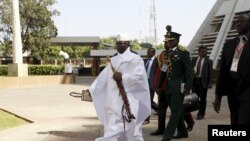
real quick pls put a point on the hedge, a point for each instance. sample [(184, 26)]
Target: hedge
[(57, 70), (45, 69), (37, 69), (3, 70)]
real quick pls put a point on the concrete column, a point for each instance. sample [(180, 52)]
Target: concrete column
[(17, 68), (95, 63), (17, 42)]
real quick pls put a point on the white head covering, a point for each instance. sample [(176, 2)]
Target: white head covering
[(123, 37)]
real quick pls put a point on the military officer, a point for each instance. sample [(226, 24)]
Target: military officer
[(180, 77)]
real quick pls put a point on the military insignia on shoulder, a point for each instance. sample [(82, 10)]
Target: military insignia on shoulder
[(181, 48)]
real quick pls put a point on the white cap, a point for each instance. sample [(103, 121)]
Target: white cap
[(123, 37)]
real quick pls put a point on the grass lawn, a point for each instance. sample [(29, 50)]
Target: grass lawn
[(8, 120)]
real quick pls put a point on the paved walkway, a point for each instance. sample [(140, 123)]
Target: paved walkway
[(58, 117)]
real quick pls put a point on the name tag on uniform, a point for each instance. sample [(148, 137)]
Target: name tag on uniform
[(234, 65), (164, 68)]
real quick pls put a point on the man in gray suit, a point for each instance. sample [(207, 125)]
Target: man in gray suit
[(203, 79), (151, 65)]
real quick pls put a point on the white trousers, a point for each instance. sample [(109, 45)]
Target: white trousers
[(114, 131), (114, 126)]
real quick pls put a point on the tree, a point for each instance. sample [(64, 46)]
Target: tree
[(160, 46), (146, 45), (107, 43), (6, 48), (135, 45), (37, 26), (52, 52)]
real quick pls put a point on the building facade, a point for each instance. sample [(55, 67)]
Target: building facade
[(218, 27)]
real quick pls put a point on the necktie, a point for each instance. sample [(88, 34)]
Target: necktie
[(147, 67), (147, 64), (239, 47), (198, 67)]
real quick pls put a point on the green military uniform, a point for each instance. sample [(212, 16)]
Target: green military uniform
[(179, 71)]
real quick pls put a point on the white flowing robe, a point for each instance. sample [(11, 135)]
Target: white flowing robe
[(108, 102)]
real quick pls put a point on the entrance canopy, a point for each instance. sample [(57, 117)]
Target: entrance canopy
[(93, 41), (76, 41)]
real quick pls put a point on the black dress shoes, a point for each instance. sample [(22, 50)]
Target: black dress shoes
[(180, 136), (190, 127), (199, 117), (156, 113), (165, 139), (157, 133)]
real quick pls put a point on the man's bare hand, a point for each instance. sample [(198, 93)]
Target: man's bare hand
[(117, 76)]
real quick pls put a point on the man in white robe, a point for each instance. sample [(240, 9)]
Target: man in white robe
[(108, 101)]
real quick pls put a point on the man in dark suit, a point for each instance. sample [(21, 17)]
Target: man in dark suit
[(203, 69), (234, 75), (160, 86), (151, 65)]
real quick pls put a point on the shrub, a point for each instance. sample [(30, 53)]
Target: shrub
[(3, 70), (37, 70), (45, 69)]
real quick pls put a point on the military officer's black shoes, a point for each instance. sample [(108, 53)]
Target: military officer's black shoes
[(190, 127), (164, 139), (180, 136), (157, 133), (199, 117)]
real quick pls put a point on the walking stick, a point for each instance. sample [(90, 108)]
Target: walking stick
[(128, 115)]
